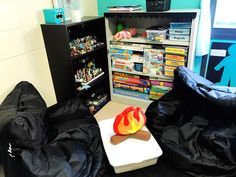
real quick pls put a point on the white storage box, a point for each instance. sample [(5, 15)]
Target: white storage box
[(179, 31), (180, 25), (174, 37), (156, 35), (132, 153)]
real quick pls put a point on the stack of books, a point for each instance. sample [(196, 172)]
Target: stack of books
[(132, 8)]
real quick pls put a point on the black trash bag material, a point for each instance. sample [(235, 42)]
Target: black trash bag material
[(195, 126), (36, 141)]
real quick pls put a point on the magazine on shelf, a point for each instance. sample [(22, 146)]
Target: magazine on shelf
[(133, 8)]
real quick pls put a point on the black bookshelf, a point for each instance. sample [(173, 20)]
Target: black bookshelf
[(57, 38)]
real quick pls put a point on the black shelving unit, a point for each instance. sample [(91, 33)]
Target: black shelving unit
[(63, 66)]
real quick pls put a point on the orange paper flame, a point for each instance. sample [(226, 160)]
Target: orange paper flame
[(129, 121)]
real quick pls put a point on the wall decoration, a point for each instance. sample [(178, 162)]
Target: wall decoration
[(221, 64), (68, 5)]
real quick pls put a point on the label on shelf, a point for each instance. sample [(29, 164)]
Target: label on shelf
[(179, 31), (179, 37)]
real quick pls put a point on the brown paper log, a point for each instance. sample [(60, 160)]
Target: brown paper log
[(116, 139), (141, 135)]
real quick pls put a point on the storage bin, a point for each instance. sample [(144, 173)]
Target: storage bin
[(156, 35), (157, 5), (180, 25), (179, 31), (174, 37)]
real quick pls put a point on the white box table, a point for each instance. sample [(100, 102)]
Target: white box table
[(132, 153)]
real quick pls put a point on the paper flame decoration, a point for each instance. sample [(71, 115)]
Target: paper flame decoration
[(129, 121)]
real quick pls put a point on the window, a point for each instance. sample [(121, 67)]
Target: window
[(223, 19), (225, 14)]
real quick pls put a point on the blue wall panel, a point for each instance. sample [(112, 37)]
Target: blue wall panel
[(175, 4)]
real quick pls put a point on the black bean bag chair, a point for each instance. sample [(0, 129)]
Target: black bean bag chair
[(60, 141), (195, 126)]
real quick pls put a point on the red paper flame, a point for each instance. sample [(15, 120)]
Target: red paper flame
[(129, 121)]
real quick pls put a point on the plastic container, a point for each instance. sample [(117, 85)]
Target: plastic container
[(156, 35), (157, 5), (180, 25), (174, 37), (179, 31)]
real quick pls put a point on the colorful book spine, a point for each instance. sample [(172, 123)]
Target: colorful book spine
[(125, 74), (123, 51), (131, 93), (160, 88), (127, 47), (169, 68), (131, 80), (174, 63), (169, 73), (174, 57), (176, 50), (131, 87), (120, 56), (155, 95), (160, 83)]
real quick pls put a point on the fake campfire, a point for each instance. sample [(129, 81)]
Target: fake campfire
[(128, 124)]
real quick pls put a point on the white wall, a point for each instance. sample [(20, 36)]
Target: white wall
[(22, 51), (89, 7)]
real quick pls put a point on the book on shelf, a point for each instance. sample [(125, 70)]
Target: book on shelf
[(132, 8), (129, 93), (132, 80), (131, 87)]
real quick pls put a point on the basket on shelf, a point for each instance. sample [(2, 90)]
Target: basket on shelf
[(157, 5)]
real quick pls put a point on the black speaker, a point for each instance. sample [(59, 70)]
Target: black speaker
[(157, 5)]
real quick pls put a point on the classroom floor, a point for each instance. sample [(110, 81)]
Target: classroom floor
[(1, 171)]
